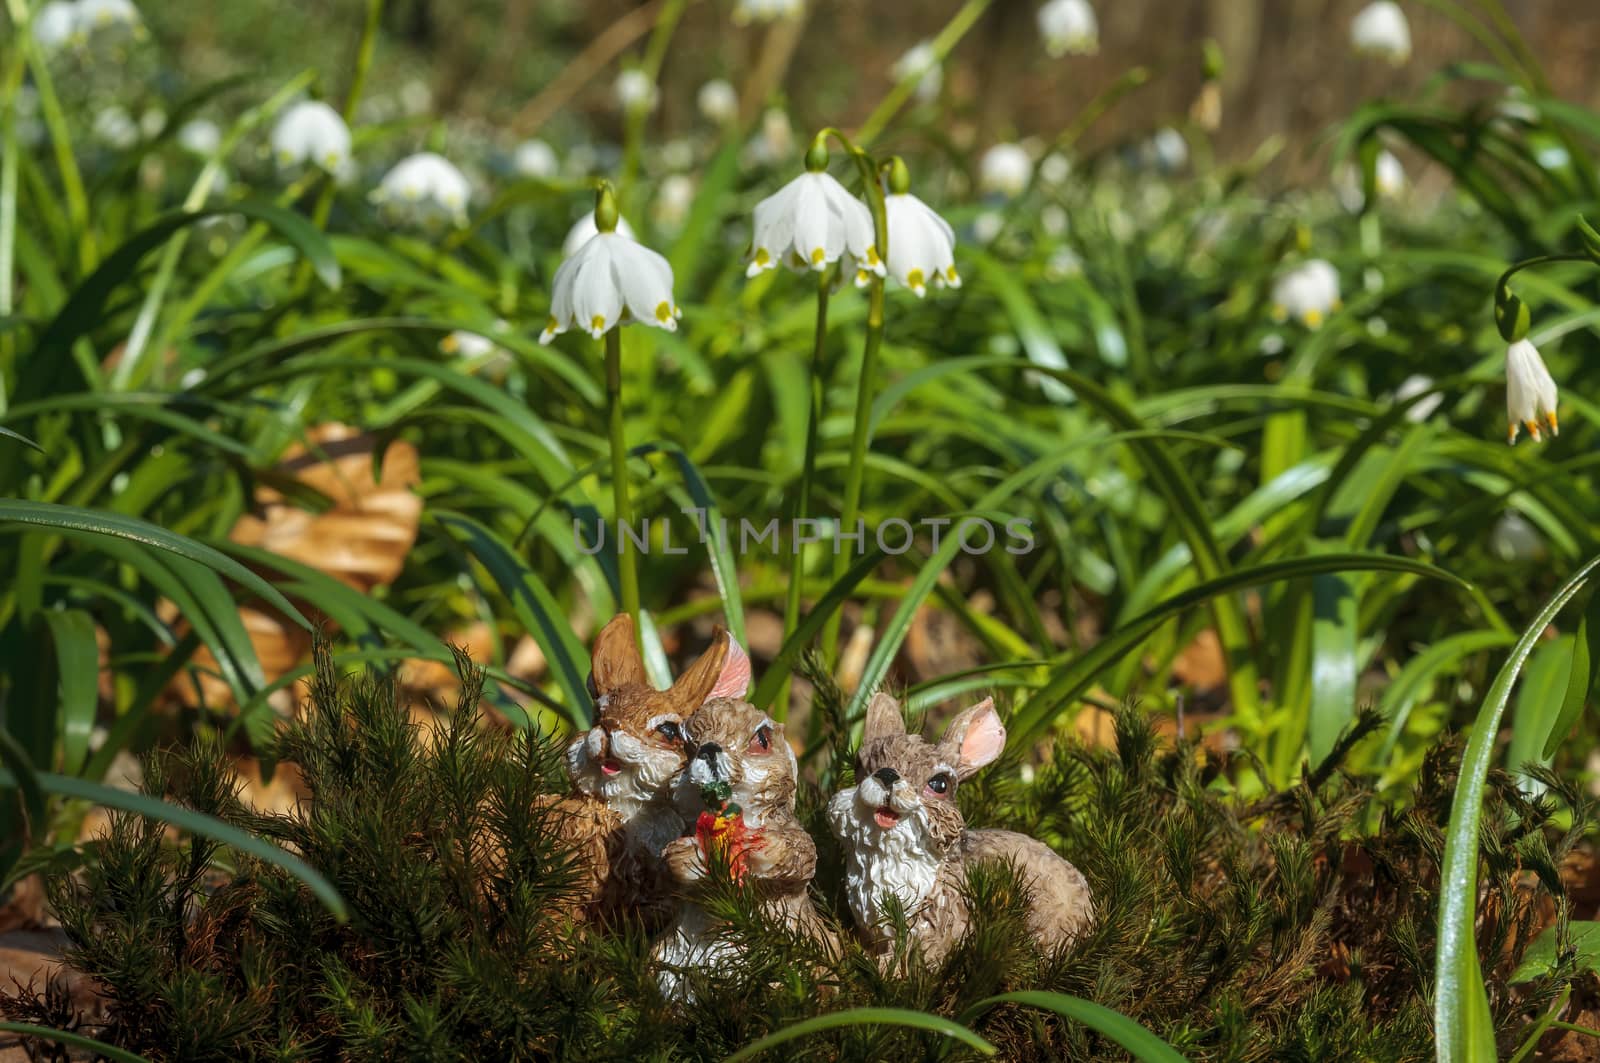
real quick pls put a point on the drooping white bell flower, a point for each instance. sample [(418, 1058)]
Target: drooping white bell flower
[(425, 189), (986, 226), (612, 280), (1514, 538), (95, 17), (1308, 293), (1380, 30), (1390, 174), (635, 91), (1069, 26), (921, 244), (1169, 151), (464, 344), (922, 65), (1005, 168), (718, 101), (766, 10), (55, 25), (535, 159), (1055, 168), (200, 136), (310, 133), (114, 126), (584, 229), (1530, 393), (812, 222), (673, 201)]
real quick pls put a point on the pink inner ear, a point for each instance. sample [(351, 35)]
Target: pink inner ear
[(984, 739), (734, 679)]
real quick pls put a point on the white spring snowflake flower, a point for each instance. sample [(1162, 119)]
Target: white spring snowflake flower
[(95, 15), (986, 226), (810, 223), (673, 201), (426, 189), (114, 126), (1381, 30), (1069, 26), (718, 101), (200, 136), (464, 344), (1308, 293), (535, 159), (1530, 393), (766, 10), (1005, 168), (921, 245), (1514, 538), (635, 91), (611, 280), (921, 64), (55, 25), (584, 229), (310, 133), (1055, 168)]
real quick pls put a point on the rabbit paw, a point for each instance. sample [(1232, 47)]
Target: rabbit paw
[(685, 862)]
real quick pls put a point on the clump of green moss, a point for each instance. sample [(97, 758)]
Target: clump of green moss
[(1275, 931)]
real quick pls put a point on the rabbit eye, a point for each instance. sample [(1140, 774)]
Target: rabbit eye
[(670, 731), (939, 784), (761, 741)]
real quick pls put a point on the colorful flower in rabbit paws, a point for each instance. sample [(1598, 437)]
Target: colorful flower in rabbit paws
[(721, 830)]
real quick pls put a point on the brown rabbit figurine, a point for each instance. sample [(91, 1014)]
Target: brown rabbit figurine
[(903, 835), (738, 795), (620, 812)]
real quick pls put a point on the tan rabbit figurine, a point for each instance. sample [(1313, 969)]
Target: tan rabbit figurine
[(738, 795), (904, 836), (620, 812)]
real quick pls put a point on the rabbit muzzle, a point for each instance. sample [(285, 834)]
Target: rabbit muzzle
[(710, 765), (612, 764), (886, 798)]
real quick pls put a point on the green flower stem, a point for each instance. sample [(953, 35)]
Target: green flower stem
[(8, 216), (859, 437), (358, 81), (797, 567), (655, 53), (947, 38), (127, 374), (1540, 260), (622, 507), (55, 121)]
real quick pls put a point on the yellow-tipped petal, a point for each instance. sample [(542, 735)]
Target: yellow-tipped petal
[(818, 256), (1533, 431), (664, 312), (1313, 318), (1555, 425)]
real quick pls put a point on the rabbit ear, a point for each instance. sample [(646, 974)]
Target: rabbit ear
[(615, 659), (694, 686), (974, 738), (734, 679), (883, 718)]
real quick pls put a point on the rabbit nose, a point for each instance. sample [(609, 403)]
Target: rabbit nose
[(709, 752), (887, 776)]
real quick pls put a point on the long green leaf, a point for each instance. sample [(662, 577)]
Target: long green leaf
[(78, 659), (187, 819), (534, 606), (116, 525), (834, 1020), (807, 629), (1580, 679), (1461, 1018), (73, 1040), (1139, 1042), (1076, 677)]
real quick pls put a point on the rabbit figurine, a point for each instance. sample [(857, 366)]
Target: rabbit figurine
[(620, 812), (904, 836), (738, 792)]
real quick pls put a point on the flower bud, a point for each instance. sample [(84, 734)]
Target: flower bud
[(899, 177), (605, 209), (817, 154), (1511, 315)]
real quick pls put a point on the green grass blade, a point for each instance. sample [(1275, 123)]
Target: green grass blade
[(25, 780), (187, 819), (772, 679), (1539, 700), (78, 658), (1077, 676), (1401, 695), (1580, 679), (73, 1040), (1333, 661), (1135, 1039), (543, 618), (919, 1020), (1461, 1006), (116, 525), (7, 433)]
